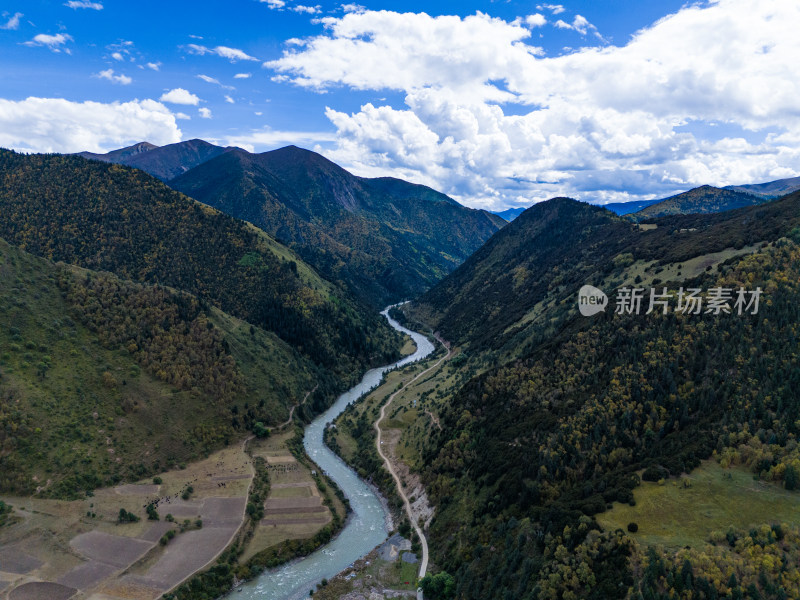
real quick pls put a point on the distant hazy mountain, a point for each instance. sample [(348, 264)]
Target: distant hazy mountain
[(626, 208), (385, 239), (780, 187), (164, 162), (510, 214), (705, 199)]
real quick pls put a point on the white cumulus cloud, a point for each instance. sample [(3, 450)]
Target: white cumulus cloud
[(114, 78), (54, 42), (58, 125), (204, 112), (537, 20), (311, 10), (215, 81), (556, 9), (580, 24), (492, 120), (180, 96), (243, 76)]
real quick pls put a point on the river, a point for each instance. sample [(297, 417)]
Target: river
[(367, 525)]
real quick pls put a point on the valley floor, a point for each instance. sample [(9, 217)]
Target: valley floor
[(403, 411), (55, 549)]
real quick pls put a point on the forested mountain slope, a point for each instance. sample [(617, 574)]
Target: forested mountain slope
[(112, 218), (705, 199), (552, 249), (780, 187), (103, 380), (385, 239), (532, 451), (544, 439)]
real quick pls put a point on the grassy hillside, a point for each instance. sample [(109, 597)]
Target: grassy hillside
[(688, 510), (103, 380), (384, 239), (111, 218)]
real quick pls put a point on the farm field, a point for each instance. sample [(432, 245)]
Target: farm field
[(60, 549), (294, 508)]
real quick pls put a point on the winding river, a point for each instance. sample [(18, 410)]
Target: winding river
[(367, 525)]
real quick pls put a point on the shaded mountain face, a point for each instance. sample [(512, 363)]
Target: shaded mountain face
[(705, 199), (164, 162), (385, 239), (113, 218), (777, 188)]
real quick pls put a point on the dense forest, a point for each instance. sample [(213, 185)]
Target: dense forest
[(112, 218), (532, 450), (705, 199)]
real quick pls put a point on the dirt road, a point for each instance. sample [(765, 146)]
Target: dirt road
[(423, 565)]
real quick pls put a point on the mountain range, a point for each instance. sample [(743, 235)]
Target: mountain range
[(781, 187), (164, 162), (619, 208), (384, 239), (107, 217), (703, 199), (164, 302)]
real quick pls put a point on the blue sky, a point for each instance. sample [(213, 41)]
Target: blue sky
[(496, 103)]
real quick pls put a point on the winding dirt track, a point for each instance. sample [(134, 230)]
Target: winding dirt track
[(291, 412), (423, 565)]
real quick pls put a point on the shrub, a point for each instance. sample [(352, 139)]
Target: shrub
[(654, 473)]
